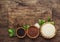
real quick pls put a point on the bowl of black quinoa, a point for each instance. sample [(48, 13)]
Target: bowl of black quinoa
[(20, 32)]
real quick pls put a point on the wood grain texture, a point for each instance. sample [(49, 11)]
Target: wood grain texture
[(13, 13)]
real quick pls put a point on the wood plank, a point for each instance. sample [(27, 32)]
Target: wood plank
[(12, 13)]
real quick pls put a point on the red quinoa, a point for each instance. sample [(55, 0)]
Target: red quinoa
[(32, 31)]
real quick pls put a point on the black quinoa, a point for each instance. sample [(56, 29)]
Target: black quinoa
[(21, 32)]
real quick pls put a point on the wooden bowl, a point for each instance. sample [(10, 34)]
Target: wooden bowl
[(20, 31), (31, 28), (48, 30)]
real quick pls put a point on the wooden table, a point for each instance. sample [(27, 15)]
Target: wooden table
[(4, 25)]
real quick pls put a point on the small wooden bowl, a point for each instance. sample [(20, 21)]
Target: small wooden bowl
[(33, 31), (18, 35)]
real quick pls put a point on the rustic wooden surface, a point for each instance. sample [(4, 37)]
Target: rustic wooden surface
[(27, 14)]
